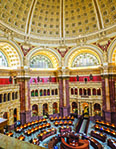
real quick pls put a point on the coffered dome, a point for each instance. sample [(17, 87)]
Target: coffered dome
[(57, 19)]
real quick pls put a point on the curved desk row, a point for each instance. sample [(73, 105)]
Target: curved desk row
[(98, 136), (107, 124), (63, 123), (40, 127), (62, 118), (22, 127), (94, 143), (65, 129), (46, 133), (106, 130), (10, 134), (111, 143)]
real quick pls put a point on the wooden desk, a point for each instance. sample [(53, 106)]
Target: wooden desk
[(46, 134), (83, 144), (21, 137), (65, 129), (98, 135), (35, 141), (111, 143), (10, 134), (94, 143)]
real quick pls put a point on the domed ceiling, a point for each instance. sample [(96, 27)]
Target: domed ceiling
[(56, 19)]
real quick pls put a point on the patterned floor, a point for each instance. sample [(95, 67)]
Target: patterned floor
[(45, 142)]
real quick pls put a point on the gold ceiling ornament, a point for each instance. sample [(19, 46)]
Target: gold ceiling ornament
[(44, 22), (26, 44), (103, 40), (81, 41), (62, 46)]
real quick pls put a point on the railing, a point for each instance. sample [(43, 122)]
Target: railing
[(9, 88), (42, 85), (83, 82)]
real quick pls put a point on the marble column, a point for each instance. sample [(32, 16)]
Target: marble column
[(40, 109), (108, 92), (25, 107), (64, 96), (50, 108)]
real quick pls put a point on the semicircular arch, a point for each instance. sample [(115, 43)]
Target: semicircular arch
[(12, 52), (77, 50), (112, 52), (53, 55)]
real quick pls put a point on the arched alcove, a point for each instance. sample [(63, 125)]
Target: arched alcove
[(97, 109), (35, 110), (74, 107), (55, 110), (15, 115), (45, 109), (12, 53)]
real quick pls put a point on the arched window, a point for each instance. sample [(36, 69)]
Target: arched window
[(75, 91), (72, 92), (48, 92), (99, 91), (52, 92), (4, 97), (89, 92), (0, 98), (80, 91), (85, 59), (3, 61), (32, 93), (36, 92), (40, 61), (44, 92), (40, 92), (8, 96), (13, 97), (16, 95), (94, 91), (56, 92), (84, 91)]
